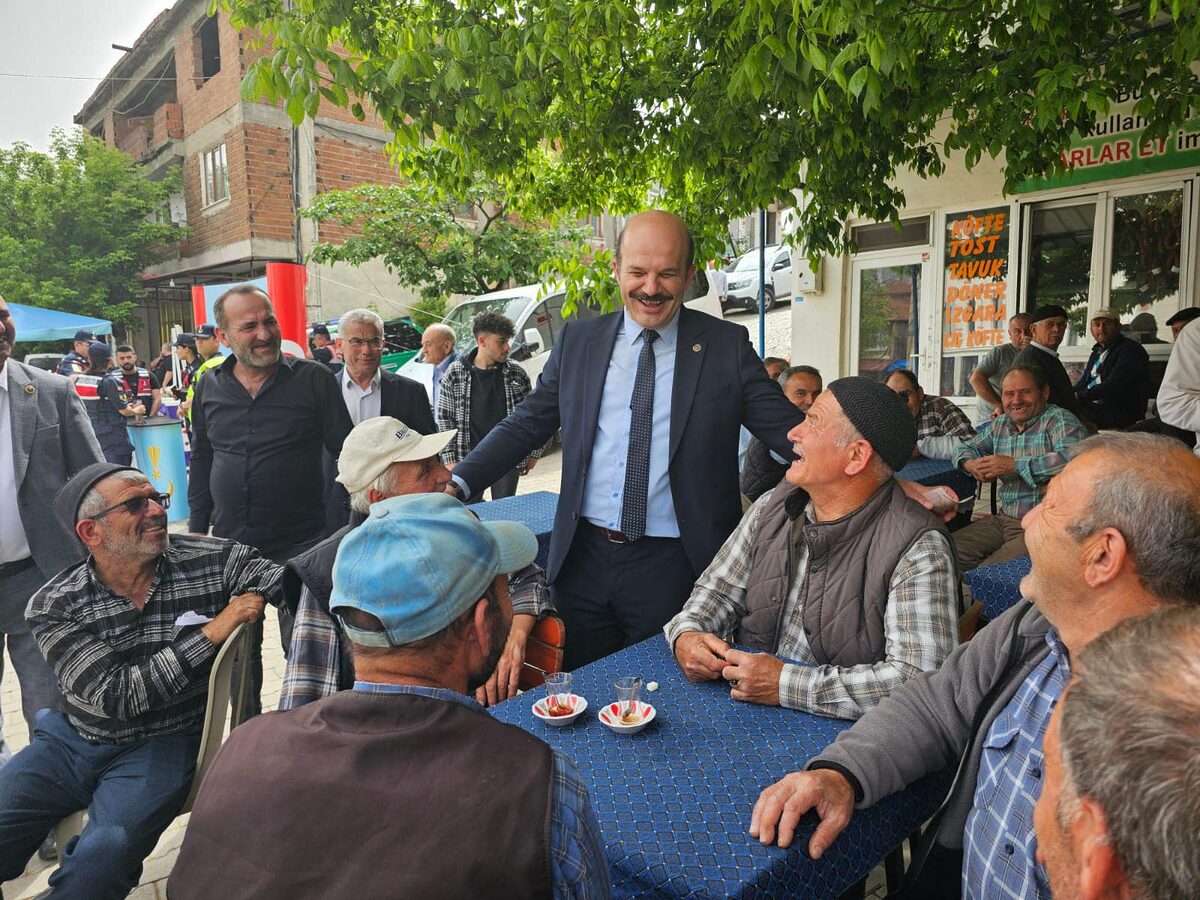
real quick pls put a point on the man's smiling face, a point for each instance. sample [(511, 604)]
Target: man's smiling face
[(653, 269)]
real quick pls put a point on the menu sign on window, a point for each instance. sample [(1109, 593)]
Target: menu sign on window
[(976, 256)]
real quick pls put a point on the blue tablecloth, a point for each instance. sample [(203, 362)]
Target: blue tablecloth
[(535, 510), (999, 585), (674, 801), (932, 472)]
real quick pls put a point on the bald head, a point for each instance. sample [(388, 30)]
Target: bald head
[(659, 225), (653, 266)]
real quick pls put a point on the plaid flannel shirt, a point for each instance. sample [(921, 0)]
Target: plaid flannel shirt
[(920, 623), (940, 418), (314, 663), (454, 403), (1040, 451), (578, 867), (999, 844), (127, 674)]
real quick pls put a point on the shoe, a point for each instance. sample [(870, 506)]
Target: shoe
[(49, 848)]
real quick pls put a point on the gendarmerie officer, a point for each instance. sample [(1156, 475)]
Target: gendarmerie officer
[(76, 361), (114, 405), (139, 381)]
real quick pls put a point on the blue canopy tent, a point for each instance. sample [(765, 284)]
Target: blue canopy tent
[(36, 324)]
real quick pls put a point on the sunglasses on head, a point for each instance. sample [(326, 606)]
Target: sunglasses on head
[(136, 505)]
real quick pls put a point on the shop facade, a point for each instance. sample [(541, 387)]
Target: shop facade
[(1120, 228)]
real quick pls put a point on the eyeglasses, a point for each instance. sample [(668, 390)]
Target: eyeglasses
[(359, 343), (136, 505)]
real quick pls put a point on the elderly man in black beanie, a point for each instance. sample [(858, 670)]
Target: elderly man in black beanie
[(130, 632), (1047, 328), (842, 585)]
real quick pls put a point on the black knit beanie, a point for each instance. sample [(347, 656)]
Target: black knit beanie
[(880, 415), (71, 495), (1049, 311)]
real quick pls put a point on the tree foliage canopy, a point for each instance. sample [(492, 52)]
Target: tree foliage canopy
[(725, 106), (423, 241), (77, 227)]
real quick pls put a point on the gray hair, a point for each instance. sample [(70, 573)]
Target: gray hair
[(385, 483), (93, 501), (786, 375), (1130, 740), (219, 306), (444, 330), (362, 317), (849, 434), (1155, 507)]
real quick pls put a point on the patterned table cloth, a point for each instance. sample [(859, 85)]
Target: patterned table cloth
[(932, 472), (999, 585), (674, 800), (535, 510)]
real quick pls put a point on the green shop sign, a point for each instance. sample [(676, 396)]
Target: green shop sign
[(1117, 148)]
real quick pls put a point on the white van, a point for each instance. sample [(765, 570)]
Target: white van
[(538, 323)]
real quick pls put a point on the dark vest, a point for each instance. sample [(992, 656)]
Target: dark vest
[(850, 566), (314, 569), (372, 796), (760, 472)]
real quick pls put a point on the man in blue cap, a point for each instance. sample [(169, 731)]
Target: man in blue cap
[(111, 408), (469, 807), (76, 361)]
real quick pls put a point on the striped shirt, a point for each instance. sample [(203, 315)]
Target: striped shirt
[(578, 868), (1040, 450), (127, 674), (999, 845), (920, 623)]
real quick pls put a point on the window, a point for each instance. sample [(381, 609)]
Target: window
[(206, 47), (1060, 262), (214, 176), (885, 236)]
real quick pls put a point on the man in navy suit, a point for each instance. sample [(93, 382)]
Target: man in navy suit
[(649, 401)]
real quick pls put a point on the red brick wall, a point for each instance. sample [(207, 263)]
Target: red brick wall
[(343, 164), (203, 102)]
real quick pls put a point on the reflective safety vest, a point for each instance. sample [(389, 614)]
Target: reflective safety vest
[(211, 363)]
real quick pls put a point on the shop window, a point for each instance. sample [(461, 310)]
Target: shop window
[(888, 323), (885, 236), (214, 176), (1143, 280), (1060, 263)]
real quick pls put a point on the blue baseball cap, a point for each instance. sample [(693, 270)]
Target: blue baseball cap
[(207, 330), (418, 563)]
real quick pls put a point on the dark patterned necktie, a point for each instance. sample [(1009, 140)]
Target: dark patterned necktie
[(641, 423)]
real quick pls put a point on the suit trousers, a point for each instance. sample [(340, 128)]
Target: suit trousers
[(989, 540), (613, 595), (39, 686)]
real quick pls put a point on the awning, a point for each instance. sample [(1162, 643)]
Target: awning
[(36, 324)]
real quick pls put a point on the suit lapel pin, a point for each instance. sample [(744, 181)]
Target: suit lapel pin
[(29, 388), (695, 348)]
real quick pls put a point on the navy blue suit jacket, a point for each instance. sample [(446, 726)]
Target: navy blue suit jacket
[(720, 384)]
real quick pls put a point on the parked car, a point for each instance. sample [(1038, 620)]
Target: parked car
[(538, 322), (401, 341), (46, 361), (743, 279)]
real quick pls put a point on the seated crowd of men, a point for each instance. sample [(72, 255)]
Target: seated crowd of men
[(841, 581)]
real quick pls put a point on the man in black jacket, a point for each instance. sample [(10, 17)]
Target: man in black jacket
[(986, 710), (1048, 327), (1113, 388)]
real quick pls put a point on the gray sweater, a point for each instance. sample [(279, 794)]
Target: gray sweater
[(940, 718)]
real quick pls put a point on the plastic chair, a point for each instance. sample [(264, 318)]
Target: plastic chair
[(543, 652), (232, 659)]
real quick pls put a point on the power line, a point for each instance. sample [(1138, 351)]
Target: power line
[(103, 77)]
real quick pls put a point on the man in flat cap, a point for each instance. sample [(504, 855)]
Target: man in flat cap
[(1113, 388), (480, 809), (1047, 328), (837, 570), (131, 633), (1181, 318)]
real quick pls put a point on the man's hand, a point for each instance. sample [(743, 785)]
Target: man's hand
[(450, 466), (507, 675), (780, 807), (928, 497), (754, 676), (990, 468), (529, 464), (701, 655), (245, 608)]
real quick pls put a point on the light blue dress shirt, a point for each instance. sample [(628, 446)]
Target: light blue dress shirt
[(604, 490)]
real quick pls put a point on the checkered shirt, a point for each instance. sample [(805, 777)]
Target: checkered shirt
[(128, 675), (920, 623), (1040, 452), (314, 663), (940, 418), (578, 868), (454, 403), (999, 845)]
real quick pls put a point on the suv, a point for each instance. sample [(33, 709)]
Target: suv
[(743, 279), (538, 322)]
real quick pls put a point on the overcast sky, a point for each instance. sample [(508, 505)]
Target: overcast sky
[(59, 38)]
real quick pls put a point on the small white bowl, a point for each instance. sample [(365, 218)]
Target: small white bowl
[(540, 711), (610, 715)]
